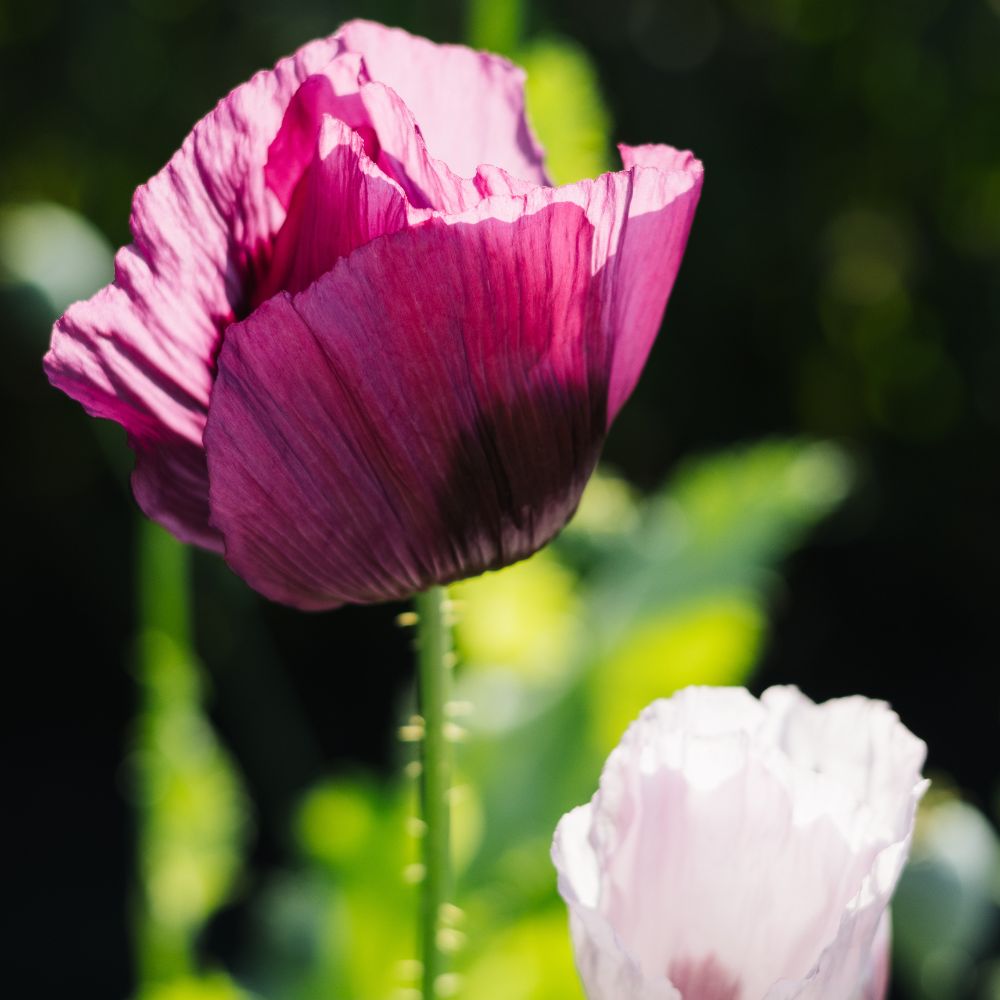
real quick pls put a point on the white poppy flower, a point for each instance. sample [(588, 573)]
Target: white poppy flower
[(742, 850)]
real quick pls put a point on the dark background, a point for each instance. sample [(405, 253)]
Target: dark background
[(841, 281)]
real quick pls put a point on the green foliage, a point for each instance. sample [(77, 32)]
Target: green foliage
[(215, 986), (494, 26), (192, 812), (713, 640), (945, 910), (53, 250), (343, 926), (530, 957), (566, 108), (563, 95)]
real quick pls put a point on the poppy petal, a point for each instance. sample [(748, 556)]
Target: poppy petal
[(642, 217), (429, 409), (142, 351), (342, 202), (469, 105)]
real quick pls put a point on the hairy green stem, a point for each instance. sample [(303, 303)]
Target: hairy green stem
[(433, 654)]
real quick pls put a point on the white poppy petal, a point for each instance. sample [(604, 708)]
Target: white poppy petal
[(742, 850)]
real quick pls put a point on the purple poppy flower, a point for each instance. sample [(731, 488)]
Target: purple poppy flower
[(359, 344)]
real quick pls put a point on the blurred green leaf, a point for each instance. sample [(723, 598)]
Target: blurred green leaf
[(566, 109), (216, 986), (715, 640), (343, 926), (520, 618), (720, 528), (193, 818), (531, 959), (562, 92), (495, 27), (682, 599), (54, 250), (678, 599), (945, 909)]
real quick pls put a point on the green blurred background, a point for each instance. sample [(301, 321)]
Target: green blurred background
[(206, 796)]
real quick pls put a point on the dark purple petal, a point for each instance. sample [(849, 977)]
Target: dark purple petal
[(429, 409), (170, 483)]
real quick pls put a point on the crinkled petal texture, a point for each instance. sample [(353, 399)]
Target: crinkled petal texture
[(142, 351), (358, 343), (470, 105), (742, 850)]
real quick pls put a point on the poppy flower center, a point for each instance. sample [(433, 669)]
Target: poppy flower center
[(703, 980)]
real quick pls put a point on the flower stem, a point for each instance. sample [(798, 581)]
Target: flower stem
[(433, 652)]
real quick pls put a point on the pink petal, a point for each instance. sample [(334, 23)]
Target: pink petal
[(403, 155), (642, 217), (877, 986), (469, 105), (294, 145), (142, 350), (666, 187), (429, 409), (341, 202), (391, 138)]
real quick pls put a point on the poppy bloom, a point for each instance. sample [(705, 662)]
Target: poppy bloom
[(358, 343), (742, 850)]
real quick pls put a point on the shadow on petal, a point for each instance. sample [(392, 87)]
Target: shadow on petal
[(429, 409)]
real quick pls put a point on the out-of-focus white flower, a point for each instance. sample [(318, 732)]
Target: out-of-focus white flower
[(742, 850)]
